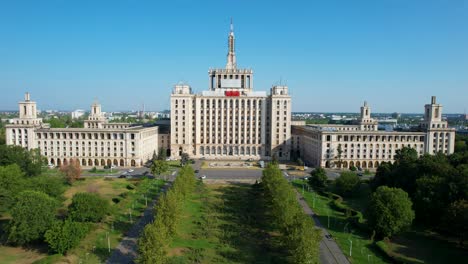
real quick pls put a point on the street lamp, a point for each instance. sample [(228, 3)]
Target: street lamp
[(350, 246)]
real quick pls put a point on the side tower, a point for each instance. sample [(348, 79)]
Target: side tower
[(367, 123), (182, 120), (439, 137), (279, 123), (96, 118), (22, 131)]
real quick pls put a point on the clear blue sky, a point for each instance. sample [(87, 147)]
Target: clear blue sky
[(332, 54)]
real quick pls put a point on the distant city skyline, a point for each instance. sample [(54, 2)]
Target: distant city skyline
[(333, 55)]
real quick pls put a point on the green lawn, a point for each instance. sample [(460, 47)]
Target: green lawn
[(363, 250), (131, 195), (221, 225), (419, 246)]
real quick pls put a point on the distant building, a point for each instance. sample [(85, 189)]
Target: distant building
[(362, 145), (77, 113), (99, 143)]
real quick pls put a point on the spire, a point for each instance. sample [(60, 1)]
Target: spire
[(231, 56)]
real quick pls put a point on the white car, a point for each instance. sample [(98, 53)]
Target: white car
[(130, 170), (113, 167), (203, 177)]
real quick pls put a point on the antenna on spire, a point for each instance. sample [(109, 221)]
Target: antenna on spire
[(232, 26)]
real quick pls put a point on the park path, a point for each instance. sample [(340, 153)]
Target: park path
[(330, 252), (127, 250)]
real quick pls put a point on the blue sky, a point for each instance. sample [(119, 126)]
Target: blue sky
[(333, 55)]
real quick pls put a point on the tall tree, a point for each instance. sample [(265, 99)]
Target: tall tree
[(162, 154), (12, 182), (153, 243), (390, 211), (32, 215), (159, 167), (318, 179), (184, 159), (456, 219), (347, 183)]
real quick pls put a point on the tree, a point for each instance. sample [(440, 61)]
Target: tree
[(347, 183), (318, 179), (162, 154), (159, 167), (184, 158), (456, 219), (30, 161), (155, 157), (300, 162), (12, 182), (153, 243), (88, 207), (390, 211), (54, 186), (339, 160), (32, 215), (430, 199), (72, 170), (65, 235)]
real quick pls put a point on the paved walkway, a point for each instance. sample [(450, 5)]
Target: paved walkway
[(127, 250), (330, 252)]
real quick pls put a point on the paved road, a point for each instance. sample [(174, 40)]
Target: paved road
[(127, 250), (330, 252)]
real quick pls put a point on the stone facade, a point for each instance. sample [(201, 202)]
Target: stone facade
[(362, 145), (97, 144), (230, 120)]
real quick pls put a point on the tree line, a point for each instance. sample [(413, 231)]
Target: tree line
[(298, 232), (157, 236)]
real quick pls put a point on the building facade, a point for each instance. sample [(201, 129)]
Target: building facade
[(362, 145), (99, 143), (230, 120)]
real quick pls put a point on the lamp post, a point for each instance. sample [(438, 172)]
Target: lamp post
[(350, 246)]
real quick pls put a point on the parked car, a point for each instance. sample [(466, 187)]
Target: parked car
[(203, 177), (122, 176), (130, 170), (197, 171)]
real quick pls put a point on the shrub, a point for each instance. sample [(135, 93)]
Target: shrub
[(116, 200), (318, 179), (352, 168), (88, 207), (130, 186), (65, 235)]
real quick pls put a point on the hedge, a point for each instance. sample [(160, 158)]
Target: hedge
[(397, 258)]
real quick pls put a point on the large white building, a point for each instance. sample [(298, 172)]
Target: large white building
[(99, 143), (230, 120), (362, 145)]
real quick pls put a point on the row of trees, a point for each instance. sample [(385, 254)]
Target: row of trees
[(298, 230), (30, 161), (437, 185), (156, 237)]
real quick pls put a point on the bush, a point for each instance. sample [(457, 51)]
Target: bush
[(116, 200), (65, 235), (88, 207), (131, 186), (93, 170), (397, 258), (352, 168), (318, 179), (32, 215)]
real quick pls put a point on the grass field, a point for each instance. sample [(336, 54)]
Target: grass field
[(128, 199), (363, 250), (221, 225), (417, 245)]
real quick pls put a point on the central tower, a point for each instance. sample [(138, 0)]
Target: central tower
[(231, 79)]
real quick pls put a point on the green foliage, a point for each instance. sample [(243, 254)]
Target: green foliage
[(88, 207), (162, 154), (54, 186), (318, 179), (153, 243), (347, 183), (30, 161), (157, 236), (456, 219), (32, 215), (390, 211), (352, 168), (300, 162), (12, 182), (65, 121), (65, 235), (159, 167), (184, 159), (299, 235)]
